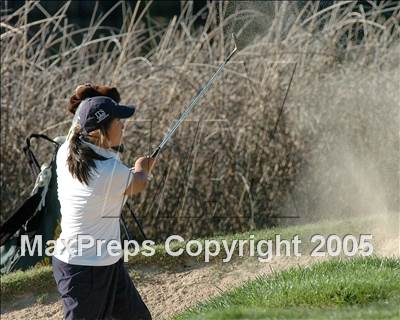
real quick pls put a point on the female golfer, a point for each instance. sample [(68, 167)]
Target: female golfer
[(92, 187)]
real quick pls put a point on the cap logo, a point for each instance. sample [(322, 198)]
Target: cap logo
[(100, 115)]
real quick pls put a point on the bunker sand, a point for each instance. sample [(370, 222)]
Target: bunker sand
[(166, 292)]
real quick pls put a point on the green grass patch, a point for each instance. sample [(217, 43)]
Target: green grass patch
[(359, 288), (343, 227), (34, 280), (387, 309)]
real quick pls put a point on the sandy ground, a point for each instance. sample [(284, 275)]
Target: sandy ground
[(165, 293), (169, 292)]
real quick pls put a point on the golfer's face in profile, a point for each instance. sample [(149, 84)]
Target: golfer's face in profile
[(115, 132)]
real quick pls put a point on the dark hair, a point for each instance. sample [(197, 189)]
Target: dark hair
[(89, 90), (81, 158)]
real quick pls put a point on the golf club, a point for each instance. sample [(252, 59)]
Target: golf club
[(194, 101)]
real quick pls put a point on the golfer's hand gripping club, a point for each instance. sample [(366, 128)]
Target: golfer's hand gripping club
[(145, 164)]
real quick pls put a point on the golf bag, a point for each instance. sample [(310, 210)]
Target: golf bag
[(38, 215)]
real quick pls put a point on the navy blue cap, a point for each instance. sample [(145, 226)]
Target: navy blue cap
[(95, 111)]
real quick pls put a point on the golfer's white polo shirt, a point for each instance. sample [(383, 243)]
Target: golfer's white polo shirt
[(90, 211)]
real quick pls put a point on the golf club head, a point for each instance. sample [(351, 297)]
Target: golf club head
[(238, 44)]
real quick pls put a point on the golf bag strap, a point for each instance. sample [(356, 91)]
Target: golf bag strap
[(41, 136), (32, 161)]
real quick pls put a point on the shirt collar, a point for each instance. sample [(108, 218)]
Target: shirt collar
[(108, 153)]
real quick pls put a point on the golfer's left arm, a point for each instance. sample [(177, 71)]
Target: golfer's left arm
[(142, 167)]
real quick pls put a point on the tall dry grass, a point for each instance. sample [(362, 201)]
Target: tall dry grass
[(223, 170)]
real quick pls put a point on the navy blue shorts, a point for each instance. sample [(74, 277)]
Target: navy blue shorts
[(100, 292)]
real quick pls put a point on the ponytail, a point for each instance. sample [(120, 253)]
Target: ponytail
[(81, 158)]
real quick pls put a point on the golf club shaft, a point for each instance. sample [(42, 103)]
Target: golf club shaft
[(191, 105)]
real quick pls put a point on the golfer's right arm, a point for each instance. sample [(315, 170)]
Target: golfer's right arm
[(143, 166)]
